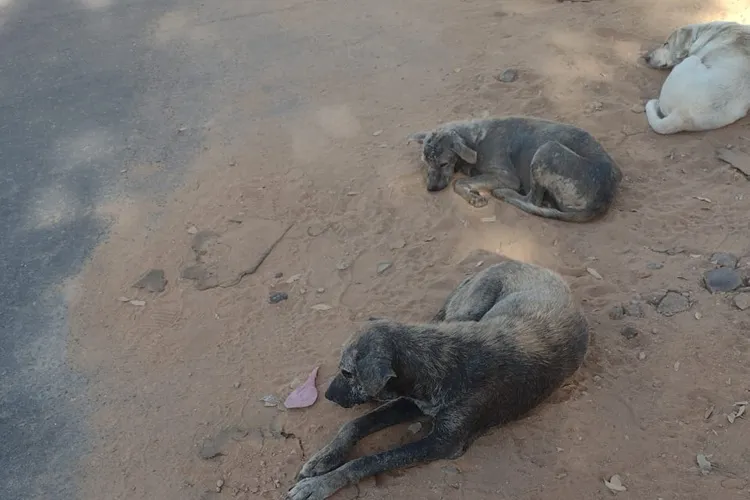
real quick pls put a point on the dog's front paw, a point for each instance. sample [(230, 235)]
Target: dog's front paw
[(476, 200), (321, 463), (314, 488)]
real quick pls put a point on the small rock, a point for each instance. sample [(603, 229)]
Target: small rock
[(278, 275), (277, 297), (597, 378), (593, 272), (594, 106), (415, 427), (617, 312), (377, 133), (138, 303), (724, 259), (654, 265), (398, 244), (673, 303), (343, 265), (237, 385), (123, 299), (219, 485), (320, 290), (153, 281), (507, 76), (293, 278), (209, 449), (384, 266), (629, 332), (634, 309), (703, 464), (489, 219), (452, 476), (321, 307), (641, 355), (722, 279), (698, 315), (192, 230), (742, 301), (654, 298), (270, 400)]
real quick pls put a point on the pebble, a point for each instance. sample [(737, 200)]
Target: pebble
[(270, 400), (343, 265), (219, 485), (724, 259), (507, 76), (634, 309), (278, 275), (384, 266), (742, 301), (192, 230), (673, 303), (654, 265), (617, 312), (277, 297), (722, 279), (398, 244), (153, 281), (629, 332), (415, 427), (641, 355), (320, 290)]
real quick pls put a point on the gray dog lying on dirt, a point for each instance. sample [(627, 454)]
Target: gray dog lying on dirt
[(548, 161), (505, 339)]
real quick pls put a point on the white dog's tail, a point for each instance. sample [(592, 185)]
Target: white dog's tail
[(670, 124)]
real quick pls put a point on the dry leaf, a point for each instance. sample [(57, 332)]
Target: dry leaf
[(138, 302), (740, 411), (321, 307), (489, 219), (701, 198), (593, 272), (703, 463), (615, 484), (123, 299), (677, 366), (293, 278), (377, 133), (730, 417)]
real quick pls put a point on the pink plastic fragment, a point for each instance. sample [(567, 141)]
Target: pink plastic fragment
[(306, 394)]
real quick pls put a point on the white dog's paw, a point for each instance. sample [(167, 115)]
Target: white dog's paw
[(314, 488)]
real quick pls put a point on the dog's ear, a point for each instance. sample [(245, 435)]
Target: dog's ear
[(418, 137), (374, 373), (458, 145)]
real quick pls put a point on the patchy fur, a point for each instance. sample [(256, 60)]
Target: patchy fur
[(505, 339), (547, 161), (709, 86)]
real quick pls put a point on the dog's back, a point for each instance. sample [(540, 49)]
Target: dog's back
[(516, 333)]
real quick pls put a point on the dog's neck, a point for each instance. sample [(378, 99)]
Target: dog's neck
[(425, 361)]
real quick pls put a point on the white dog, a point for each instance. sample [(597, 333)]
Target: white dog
[(709, 86)]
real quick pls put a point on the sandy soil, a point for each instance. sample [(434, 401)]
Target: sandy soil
[(182, 376)]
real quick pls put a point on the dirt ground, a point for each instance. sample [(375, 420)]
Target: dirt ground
[(326, 171)]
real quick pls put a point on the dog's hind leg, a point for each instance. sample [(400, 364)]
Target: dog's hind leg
[(334, 454), (448, 439), (560, 173)]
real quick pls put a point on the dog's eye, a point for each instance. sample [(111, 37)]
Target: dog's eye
[(346, 374)]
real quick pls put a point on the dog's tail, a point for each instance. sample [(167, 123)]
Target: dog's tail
[(553, 213), (670, 124)]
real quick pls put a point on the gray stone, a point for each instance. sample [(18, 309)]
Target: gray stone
[(277, 297), (629, 332), (654, 265), (383, 267), (153, 281), (742, 301), (722, 279), (507, 76), (724, 259), (617, 312), (673, 303), (634, 309)]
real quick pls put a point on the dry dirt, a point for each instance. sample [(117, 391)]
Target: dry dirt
[(185, 372)]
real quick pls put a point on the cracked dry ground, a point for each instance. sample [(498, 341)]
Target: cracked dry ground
[(180, 378)]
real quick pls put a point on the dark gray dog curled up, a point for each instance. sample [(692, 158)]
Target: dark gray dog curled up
[(525, 162), (505, 339)]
